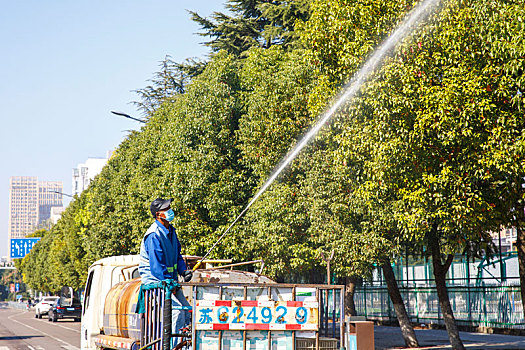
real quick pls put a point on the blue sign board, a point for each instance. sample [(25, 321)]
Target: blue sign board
[(20, 247)]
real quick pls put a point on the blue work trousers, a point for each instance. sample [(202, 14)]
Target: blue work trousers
[(180, 316)]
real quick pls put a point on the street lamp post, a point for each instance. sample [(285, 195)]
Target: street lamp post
[(64, 194), (128, 116)]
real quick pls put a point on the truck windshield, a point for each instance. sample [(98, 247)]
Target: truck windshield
[(88, 291)]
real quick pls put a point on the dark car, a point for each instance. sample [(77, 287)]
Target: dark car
[(65, 308)]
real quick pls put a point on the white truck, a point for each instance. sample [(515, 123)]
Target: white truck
[(231, 310)]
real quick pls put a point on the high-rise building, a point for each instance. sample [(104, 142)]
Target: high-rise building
[(49, 196), (30, 203), (23, 205), (86, 172)]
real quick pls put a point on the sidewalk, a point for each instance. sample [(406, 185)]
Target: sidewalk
[(391, 338)]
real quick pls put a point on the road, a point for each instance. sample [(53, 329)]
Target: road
[(20, 330)]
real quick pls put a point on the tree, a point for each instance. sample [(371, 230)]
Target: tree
[(417, 159), (167, 83), (274, 92), (31, 267), (253, 23), (500, 50), (339, 37), (11, 276), (431, 122)]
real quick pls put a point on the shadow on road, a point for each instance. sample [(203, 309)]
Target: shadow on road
[(21, 337)]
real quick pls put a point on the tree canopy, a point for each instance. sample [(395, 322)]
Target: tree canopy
[(431, 147), (253, 23)]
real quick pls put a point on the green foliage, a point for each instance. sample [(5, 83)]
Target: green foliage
[(424, 129), (340, 34), (275, 88), (33, 266), (275, 230), (167, 83), (435, 140), (253, 23), (7, 277)]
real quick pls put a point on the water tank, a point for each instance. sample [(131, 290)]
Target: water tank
[(120, 318)]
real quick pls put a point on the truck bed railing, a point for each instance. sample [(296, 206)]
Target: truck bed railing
[(325, 332), (155, 323), (239, 315)]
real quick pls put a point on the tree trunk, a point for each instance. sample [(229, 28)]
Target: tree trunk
[(440, 272), (404, 322), (349, 296)]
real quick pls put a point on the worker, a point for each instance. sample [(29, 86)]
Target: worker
[(160, 259)]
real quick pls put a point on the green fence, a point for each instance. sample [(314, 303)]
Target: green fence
[(481, 294)]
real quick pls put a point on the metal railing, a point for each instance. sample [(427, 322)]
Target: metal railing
[(486, 305), (155, 323), (464, 270), (17, 305)]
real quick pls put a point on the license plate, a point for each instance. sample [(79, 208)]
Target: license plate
[(70, 309)]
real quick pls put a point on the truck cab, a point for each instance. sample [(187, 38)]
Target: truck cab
[(102, 276)]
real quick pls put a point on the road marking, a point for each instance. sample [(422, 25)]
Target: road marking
[(69, 346), (4, 348), (58, 325)]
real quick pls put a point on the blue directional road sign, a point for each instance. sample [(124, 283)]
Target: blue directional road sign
[(20, 247)]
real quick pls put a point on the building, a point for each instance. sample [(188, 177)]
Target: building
[(30, 203), (56, 213), (49, 197), (23, 205), (86, 172), (505, 239)]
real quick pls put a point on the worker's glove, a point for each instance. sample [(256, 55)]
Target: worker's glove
[(187, 275)]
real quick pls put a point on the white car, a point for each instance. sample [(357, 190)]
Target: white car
[(44, 305)]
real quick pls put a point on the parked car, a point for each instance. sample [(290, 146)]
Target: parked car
[(43, 306), (65, 308)]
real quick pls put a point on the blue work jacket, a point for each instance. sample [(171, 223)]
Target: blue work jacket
[(160, 257)]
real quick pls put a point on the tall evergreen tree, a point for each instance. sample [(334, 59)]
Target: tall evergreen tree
[(253, 23), (169, 82)]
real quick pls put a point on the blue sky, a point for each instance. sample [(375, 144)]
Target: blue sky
[(64, 65)]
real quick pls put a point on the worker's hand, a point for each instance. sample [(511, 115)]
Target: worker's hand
[(187, 275)]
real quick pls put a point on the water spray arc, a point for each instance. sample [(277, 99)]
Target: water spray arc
[(412, 19)]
